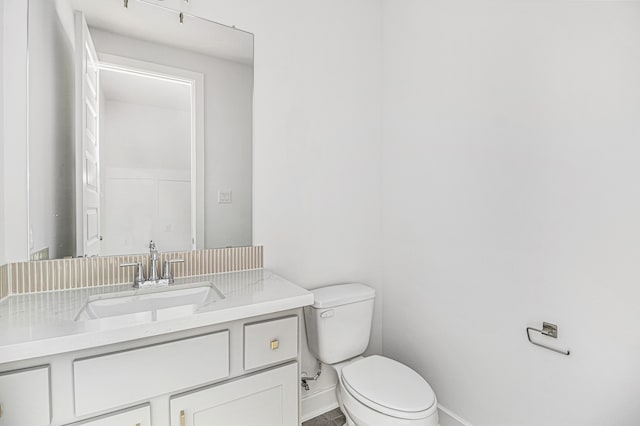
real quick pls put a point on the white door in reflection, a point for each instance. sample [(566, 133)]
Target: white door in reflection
[(88, 140), (146, 135)]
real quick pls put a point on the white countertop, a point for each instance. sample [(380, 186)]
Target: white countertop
[(42, 324)]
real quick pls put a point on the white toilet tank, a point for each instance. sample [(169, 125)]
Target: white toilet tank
[(339, 321)]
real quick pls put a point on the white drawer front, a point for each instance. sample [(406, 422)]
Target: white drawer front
[(270, 342), (24, 397), (140, 416), (110, 381)]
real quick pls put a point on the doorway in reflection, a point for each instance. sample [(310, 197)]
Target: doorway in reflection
[(146, 143)]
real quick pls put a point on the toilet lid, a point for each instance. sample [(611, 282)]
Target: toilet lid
[(379, 381)]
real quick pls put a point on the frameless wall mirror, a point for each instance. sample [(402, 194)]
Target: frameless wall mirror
[(140, 128)]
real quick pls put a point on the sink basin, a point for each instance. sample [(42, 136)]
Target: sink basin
[(151, 304)]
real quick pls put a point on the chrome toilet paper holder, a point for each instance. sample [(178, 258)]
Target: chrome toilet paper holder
[(550, 330)]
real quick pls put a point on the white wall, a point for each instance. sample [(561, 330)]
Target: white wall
[(2, 243), (139, 136), (228, 115), (146, 178), (317, 122), (14, 48), (51, 133), (511, 197)]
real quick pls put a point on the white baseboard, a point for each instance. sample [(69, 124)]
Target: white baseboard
[(318, 403), (325, 400), (449, 418)]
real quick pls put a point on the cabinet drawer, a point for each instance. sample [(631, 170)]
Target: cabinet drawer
[(25, 398), (137, 416), (270, 342), (110, 381)]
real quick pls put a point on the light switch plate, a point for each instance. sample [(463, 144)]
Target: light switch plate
[(225, 197), (40, 254)]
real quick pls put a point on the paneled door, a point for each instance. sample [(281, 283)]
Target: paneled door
[(87, 142), (265, 399)]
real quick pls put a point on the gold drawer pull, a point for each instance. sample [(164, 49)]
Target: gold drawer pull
[(138, 424), (181, 417), (275, 344), (0, 410)]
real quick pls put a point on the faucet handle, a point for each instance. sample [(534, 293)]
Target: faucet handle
[(166, 274), (139, 278)]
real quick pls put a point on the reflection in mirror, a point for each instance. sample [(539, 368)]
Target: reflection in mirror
[(140, 128), (139, 113)]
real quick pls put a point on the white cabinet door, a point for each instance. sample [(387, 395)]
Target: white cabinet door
[(140, 416), (265, 399), (24, 398)]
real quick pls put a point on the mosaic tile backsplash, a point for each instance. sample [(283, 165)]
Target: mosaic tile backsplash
[(63, 274), (4, 281)]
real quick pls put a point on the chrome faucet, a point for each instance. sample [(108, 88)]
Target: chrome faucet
[(154, 278), (153, 262)]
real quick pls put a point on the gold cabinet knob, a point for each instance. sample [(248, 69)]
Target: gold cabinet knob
[(275, 344)]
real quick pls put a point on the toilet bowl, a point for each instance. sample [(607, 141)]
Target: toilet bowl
[(383, 392), (374, 390)]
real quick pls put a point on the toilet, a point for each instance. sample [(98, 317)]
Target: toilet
[(373, 390)]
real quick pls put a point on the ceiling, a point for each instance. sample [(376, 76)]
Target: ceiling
[(149, 22)]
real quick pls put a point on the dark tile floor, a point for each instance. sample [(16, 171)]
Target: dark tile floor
[(332, 418)]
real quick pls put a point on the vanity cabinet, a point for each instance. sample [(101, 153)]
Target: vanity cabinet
[(140, 416), (242, 372), (25, 397), (265, 399)]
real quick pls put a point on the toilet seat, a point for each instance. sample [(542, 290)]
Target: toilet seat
[(388, 387)]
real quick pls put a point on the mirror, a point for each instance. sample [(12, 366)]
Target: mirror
[(140, 128)]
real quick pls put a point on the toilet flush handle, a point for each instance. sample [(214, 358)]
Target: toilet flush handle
[(327, 314)]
